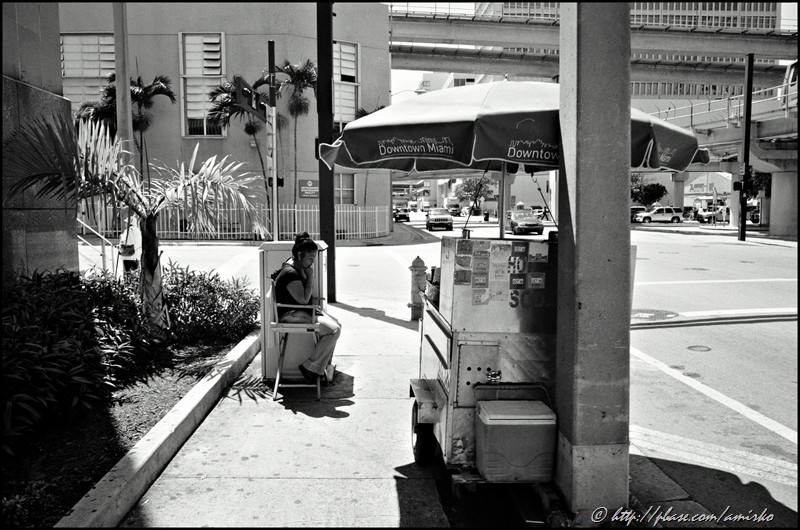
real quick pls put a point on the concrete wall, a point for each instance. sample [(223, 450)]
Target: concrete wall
[(153, 30), (37, 234)]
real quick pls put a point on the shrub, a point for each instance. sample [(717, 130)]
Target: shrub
[(67, 343), (52, 364), (203, 307)]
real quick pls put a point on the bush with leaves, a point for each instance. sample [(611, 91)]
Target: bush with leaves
[(204, 307), (68, 342)]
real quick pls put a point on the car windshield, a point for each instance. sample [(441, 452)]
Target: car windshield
[(523, 216), (439, 211)]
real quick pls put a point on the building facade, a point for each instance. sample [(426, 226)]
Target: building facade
[(201, 45), (37, 234)]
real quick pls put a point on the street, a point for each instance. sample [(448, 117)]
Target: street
[(713, 397)]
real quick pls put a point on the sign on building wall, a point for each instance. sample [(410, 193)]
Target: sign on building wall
[(309, 189)]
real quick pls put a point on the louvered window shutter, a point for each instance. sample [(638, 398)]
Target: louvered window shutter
[(202, 71), (346, 82), (86, 60)]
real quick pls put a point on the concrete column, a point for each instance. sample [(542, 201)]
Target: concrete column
[(783, 204), (678, 187), (553, 178), (593, 346)]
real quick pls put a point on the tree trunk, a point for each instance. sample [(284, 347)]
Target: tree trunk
[(152, 285), (263, 168), (296, 181)]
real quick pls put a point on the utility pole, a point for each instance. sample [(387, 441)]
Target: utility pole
[(745, 186), (122, 73), (327, 218), (273, 167)]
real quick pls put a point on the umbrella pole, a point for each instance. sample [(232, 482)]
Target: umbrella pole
[(501, 203)]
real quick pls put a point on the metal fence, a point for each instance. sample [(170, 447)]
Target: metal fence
[(351, 222)]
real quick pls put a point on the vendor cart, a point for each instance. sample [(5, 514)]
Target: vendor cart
[(487, 361)]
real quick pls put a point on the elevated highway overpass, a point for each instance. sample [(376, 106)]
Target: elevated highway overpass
[(470, 44)]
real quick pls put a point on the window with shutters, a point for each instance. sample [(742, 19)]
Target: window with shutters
[(344, 188), (346, 82), (86, 61), (202, 70)]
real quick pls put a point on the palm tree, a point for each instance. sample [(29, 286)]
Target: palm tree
[(299, 79), (224, 107), (51, 158), (142, 96)]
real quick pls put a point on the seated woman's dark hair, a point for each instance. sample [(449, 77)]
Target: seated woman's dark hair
[(303, 243)]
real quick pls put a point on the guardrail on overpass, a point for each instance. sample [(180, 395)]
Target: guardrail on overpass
[(729, 112)]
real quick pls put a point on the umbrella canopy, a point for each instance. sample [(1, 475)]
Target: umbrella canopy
[(485, 126)]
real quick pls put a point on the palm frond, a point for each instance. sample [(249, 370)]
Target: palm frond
[(215, 182)]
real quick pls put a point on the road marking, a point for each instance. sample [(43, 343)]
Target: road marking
[(686, 282), (652, 443), (768, 423), (748, 312)]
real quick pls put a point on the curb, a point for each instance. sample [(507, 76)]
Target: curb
[(113, 496)]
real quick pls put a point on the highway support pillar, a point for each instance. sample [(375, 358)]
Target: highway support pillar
[(593, 346)]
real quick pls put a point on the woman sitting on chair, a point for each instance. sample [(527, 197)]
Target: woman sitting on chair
[(293, 285)]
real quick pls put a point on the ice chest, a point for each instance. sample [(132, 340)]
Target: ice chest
[(515, 440)]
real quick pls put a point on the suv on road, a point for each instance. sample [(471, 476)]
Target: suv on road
[(660, 214), (438, 217)]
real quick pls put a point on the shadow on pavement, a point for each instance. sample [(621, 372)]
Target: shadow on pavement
[(721, 492), (377, 314)]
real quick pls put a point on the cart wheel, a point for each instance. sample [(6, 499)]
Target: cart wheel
[(465, 492), (423, 442)]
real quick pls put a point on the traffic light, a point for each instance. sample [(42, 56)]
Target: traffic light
[(280, 182), (252, 101)]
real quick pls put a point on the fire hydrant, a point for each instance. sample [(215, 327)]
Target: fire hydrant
[(418, 284)]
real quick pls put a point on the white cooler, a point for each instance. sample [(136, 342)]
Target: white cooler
[(515, 440)]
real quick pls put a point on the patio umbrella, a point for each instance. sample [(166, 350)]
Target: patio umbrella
[(491, 126)]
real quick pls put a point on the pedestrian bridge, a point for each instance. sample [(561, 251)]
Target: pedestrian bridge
[(718, 125)]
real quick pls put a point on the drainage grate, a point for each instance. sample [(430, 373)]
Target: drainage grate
[(652, 314)]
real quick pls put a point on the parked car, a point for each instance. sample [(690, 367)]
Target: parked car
[(660, 214), (438, 217), (635, 210), (475, 211), (401, 214), (526, 222), (719, 214), (455, 211)]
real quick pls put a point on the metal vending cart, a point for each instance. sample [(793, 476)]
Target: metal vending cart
[(487, 362)]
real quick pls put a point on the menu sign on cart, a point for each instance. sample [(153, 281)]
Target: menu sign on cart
[(495, 284)]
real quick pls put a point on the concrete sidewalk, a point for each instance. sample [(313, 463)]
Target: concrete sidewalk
[(227, 455)]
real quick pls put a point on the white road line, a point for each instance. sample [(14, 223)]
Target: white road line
[(651, 443), (772, 425), (734, 312), (687, 282)]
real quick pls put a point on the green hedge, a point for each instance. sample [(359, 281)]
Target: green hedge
[(70, 340)]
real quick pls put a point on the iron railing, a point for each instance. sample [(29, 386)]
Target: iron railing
[(351, 221)]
